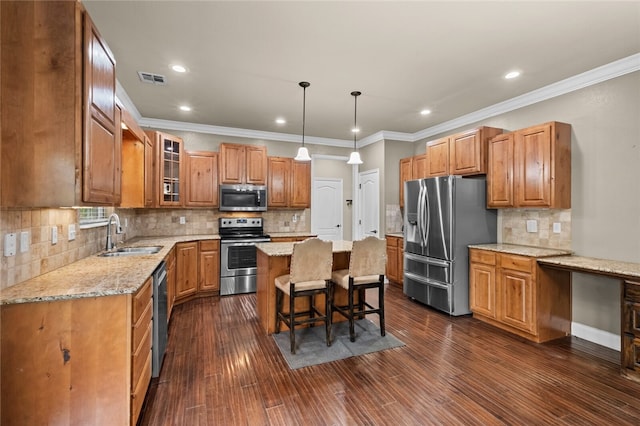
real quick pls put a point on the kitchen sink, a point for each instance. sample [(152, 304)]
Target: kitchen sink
[(131, 251)]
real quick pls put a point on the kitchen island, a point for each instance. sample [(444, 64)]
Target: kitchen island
[(274, 259)]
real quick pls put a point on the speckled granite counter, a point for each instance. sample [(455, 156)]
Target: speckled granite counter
[(522, 250), (592, 265), (96, 276), (395, 234), (286, 249)]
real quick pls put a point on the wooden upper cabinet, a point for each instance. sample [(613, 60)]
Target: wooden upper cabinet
[(464, 153), (543, 159), (531, 168), (411, 168), (243, 164), (438, 157), (65, 152), (133, 163), (169, 169), (278, 181), (202, 179), (500, 177), (288, 183), (300, 184)]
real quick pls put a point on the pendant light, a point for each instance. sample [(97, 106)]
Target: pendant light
[(303, 152), (354, 158)]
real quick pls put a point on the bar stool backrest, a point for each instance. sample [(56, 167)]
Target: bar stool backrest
[(311, 260), (368, 257)]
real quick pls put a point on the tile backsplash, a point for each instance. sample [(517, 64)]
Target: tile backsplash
[(513, 226), (43, 256), (393, 216)]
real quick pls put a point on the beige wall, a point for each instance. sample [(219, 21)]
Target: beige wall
[(605, 213)]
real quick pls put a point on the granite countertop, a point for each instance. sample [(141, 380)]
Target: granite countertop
[(395, 234), (522, 250), (613, 268), (286, 249), (96, 276)]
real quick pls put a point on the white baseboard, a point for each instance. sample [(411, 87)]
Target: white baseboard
[(601, 337)]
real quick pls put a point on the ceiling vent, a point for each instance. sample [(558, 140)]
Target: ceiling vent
[(147, 77)]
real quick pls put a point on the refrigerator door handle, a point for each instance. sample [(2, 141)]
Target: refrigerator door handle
[(419, 215), (427, 227), (425, 280), (427, 260)]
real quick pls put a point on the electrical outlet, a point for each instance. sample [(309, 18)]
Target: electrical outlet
[(294, 218), (24, 242), (532, 225), (72, 231), (54, 235), (183, 220), (557, 227), (10, 244)]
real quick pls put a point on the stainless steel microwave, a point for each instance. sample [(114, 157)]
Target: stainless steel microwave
[(243, 198)]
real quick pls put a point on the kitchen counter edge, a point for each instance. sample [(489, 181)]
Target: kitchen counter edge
[(95, 276)]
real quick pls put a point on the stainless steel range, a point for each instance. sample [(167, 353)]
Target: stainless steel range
[(238, 238)]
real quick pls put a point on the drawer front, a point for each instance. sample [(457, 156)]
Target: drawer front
[(139, 329), (393, 241), (140, 390), (632, 291), (517, 263), (209, 245), (140, 301), (139, 357), (631, 318), (482, 256)]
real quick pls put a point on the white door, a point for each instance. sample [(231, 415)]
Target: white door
[(369, 205), (326, 209)]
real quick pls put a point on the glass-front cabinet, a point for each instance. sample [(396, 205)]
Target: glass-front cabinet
[(170, 173)]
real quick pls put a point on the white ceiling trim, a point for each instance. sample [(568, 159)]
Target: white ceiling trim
[(597, 75)]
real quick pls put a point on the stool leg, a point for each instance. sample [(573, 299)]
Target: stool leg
[(312, 312), (352, 329), (381, 305), (327, 312), (292, 319)]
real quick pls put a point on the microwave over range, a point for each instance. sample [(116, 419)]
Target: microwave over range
[(243, 198)]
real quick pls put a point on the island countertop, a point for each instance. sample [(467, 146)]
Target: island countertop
[(95, 276), (286, 249)]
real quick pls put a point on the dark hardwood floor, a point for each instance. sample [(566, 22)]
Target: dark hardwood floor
[(221, 369)]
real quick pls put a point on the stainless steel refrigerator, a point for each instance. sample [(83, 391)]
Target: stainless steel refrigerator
[(442, 216)]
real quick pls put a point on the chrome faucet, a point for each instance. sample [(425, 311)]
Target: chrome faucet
[(111, 245)]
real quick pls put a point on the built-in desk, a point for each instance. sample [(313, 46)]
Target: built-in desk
[(629, 275), (274, 259)]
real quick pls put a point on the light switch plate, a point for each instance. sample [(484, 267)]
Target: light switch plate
[(557, 227), (532, 225), (72, 231), (183, 220), (10, 244), (24, 242), (54, 235)]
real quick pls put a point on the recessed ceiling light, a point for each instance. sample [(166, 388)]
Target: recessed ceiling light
[(185, 108), (280, 121), (512, 74), (178, 68), (425, 112), (355, 130)]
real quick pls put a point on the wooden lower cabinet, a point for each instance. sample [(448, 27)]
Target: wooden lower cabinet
[(209, 275), (69, 361), (512, 292), (186, 269), (395, 259), (141, 327), (170, 260), (631, 330)]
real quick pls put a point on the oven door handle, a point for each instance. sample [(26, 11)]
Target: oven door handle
[(245, 242)]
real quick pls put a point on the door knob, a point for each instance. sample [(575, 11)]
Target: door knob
[(374, 231), (338, 226)]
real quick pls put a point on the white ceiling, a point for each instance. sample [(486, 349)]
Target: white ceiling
[(245, 59)]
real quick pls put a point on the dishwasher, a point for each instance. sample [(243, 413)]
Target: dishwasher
[(159, 343)]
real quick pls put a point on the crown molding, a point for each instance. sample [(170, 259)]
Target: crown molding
[(597, 75)]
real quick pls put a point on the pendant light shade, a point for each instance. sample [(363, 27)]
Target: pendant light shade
[(354, 158), (303, 152)]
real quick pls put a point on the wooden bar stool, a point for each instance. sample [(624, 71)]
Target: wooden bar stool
[(310, 274), (366, 270)]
